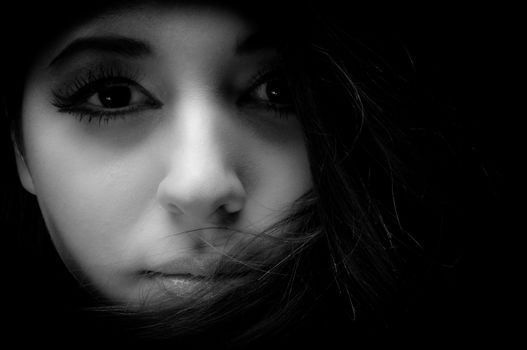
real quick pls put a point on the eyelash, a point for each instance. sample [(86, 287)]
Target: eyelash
[(70, 99), (266, 75)]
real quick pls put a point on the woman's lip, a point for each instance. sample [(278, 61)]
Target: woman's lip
[(157, 274), (199, 268), (196, 267), (190, 286), (209, 278), (180, 285)]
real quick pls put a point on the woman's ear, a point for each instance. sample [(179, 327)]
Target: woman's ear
[(23, 170)]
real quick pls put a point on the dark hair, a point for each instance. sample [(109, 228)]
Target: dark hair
[(353, 253)]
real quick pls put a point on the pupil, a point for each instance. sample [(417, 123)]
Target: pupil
[(115, 97), (278, 92)]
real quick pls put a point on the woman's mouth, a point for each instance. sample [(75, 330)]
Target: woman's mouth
[(180, 285), (185, 267), (191, 277)]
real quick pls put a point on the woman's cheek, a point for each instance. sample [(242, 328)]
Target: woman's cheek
[(91, 202), (280, 174), (86, 214)]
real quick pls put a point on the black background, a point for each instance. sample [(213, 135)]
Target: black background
[(457, 55)]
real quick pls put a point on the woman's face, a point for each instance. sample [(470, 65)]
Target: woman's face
[(143, 126)]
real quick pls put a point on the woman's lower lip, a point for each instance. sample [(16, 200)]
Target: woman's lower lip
[(189, 286), (182, 285)]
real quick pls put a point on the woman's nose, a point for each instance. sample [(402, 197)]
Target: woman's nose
[(202, 182)]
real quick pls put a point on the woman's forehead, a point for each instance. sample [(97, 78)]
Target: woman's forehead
[(55, 26), (138, 18), (185, 33), (162, 24)]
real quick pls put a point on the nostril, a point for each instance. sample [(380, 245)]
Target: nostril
[(228, 215), (232, 207), (172, 208)]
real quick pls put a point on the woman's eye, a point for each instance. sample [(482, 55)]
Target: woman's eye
[(272, 95), (117, 96), (106, 99), (274, 91)]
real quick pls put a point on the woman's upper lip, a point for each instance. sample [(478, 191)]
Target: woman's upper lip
[(197, 266)]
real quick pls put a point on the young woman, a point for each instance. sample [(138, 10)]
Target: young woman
[(210, 173)]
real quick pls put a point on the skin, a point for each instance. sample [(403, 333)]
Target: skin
[(118, 195)]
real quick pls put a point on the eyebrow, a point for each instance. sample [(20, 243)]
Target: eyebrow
[(119, 45), (254, 42)]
